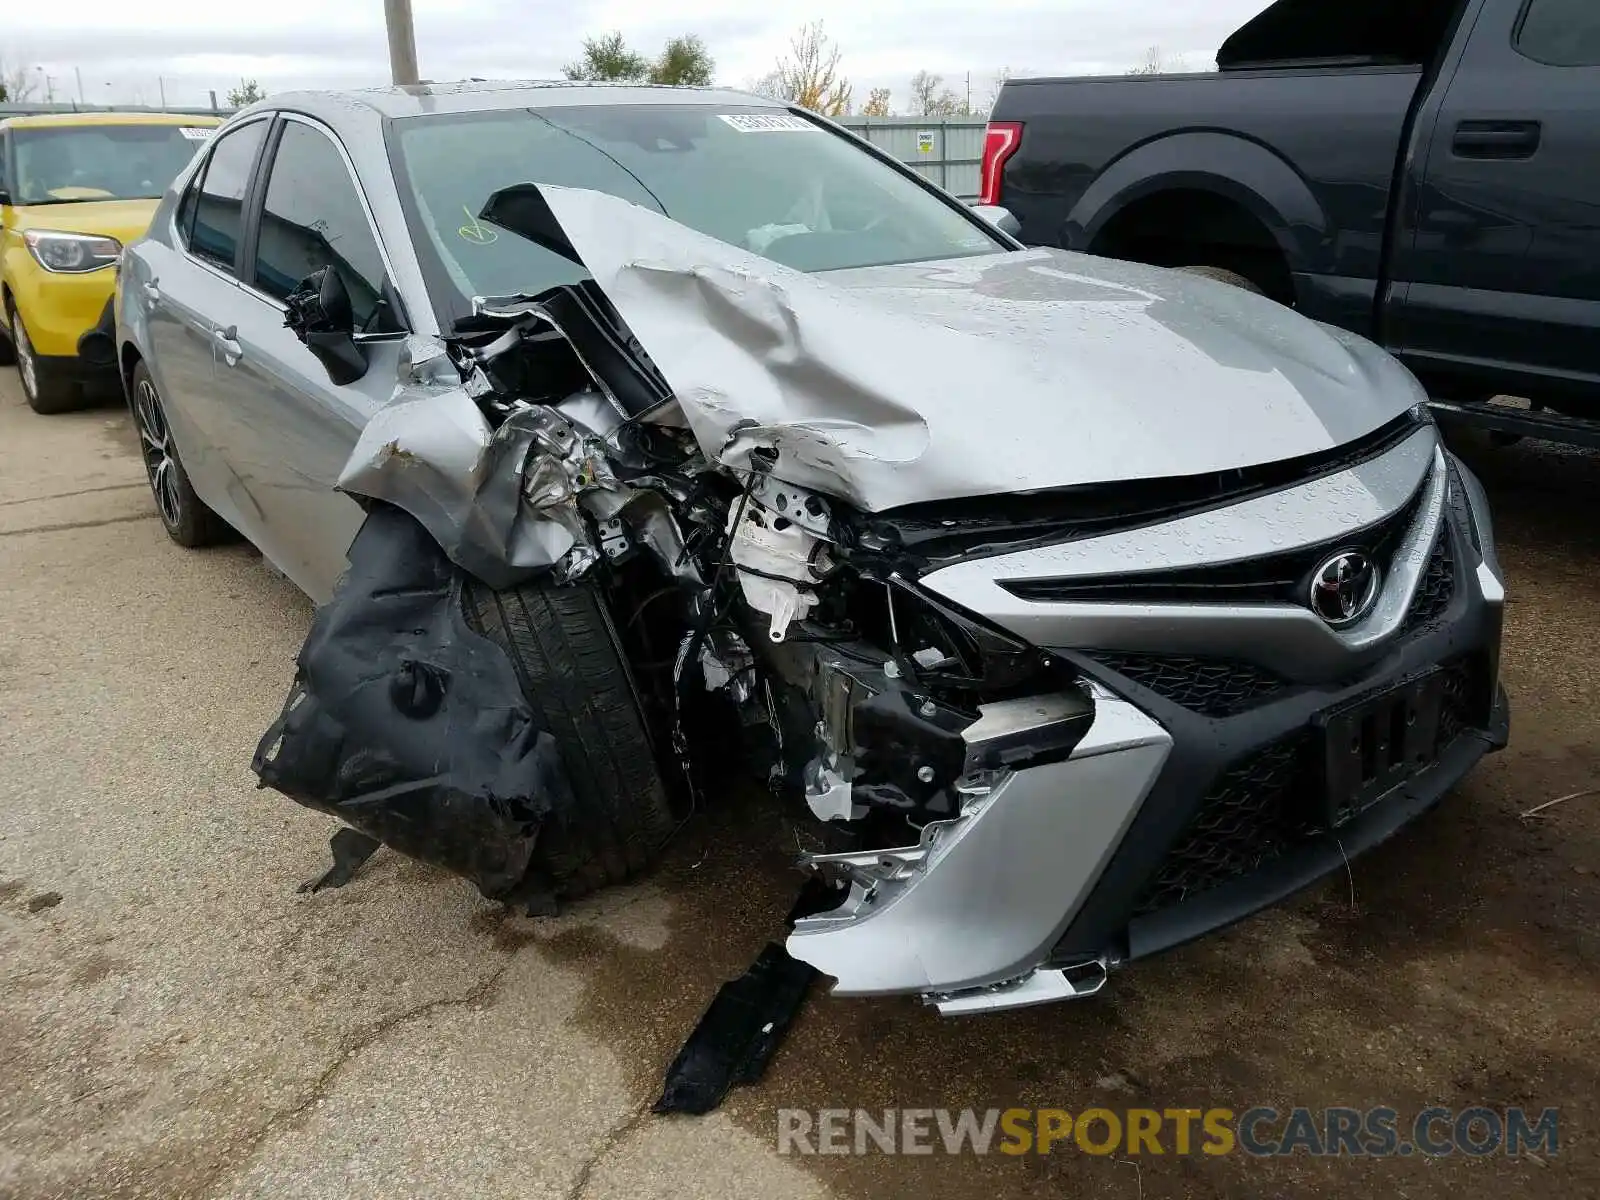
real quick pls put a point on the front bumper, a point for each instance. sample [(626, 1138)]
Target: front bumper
[(1173, 817), (59, 309)]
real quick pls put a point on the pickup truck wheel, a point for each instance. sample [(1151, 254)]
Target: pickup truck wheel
[(566, 653), (1223, 275)]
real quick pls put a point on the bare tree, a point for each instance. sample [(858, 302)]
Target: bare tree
[(1000, 77), (877, 104), (929, 98), (15, 86), (1156, 62), (809, 74), (769, 85)]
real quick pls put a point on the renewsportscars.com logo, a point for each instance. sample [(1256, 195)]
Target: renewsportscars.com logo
[(1261, 1132)]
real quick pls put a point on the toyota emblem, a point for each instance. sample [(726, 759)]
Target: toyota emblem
[(1344, 587)]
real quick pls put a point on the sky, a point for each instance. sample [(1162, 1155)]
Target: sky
[(134, 53)]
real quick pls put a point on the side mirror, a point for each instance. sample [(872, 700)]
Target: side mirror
[(5, 196), (321, 317), (1000, 217)]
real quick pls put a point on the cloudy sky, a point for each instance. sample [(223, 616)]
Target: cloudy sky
[(126, 52)]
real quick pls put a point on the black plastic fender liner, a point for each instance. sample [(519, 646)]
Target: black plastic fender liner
[(410, 727)]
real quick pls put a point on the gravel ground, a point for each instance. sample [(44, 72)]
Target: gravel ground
[(177, 1021)]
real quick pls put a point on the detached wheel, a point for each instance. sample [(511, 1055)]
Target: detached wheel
[(1223, 275), (45, 389), (187, 519), (562, 643)]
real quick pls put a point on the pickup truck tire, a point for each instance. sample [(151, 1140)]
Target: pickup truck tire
[(1223, 275), (562, 643)]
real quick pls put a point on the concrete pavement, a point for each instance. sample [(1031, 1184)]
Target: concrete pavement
[(177, 1021)]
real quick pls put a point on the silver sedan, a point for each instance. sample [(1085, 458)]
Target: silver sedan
[(628, 436)]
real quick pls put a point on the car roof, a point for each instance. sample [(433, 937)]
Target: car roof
[(487, 95), (58, 120)]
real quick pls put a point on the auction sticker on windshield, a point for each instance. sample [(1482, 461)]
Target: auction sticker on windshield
[(769, 123)]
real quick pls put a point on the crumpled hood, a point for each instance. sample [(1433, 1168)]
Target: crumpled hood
[(991, 374)]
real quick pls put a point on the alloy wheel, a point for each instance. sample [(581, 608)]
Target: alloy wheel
[(26, 367), (155, 441)]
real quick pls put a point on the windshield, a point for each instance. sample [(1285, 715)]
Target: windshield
[(100, 162), (767, 181)]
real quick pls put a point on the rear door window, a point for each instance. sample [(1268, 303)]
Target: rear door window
[(219, 207)]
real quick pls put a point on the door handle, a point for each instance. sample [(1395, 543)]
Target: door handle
[(227, 342), (151, 292), (1497, 139)]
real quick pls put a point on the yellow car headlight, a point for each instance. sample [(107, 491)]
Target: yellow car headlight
[(71, 253)]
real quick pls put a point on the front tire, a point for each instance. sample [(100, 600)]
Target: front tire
[(561, 641), (187, 519), (46, 390)]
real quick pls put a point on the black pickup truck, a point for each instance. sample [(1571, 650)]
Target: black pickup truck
[(1424, 172)]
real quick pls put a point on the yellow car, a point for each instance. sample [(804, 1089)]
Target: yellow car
[(74, 189)]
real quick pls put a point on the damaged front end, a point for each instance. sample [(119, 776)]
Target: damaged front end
[(738, 511)]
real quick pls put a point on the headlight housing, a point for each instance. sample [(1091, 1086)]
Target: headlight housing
[(71, 253)]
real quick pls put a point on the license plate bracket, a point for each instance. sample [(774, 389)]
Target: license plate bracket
[(1374, 745)]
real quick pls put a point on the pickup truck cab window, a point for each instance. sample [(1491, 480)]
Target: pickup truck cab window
[(1562, 33)]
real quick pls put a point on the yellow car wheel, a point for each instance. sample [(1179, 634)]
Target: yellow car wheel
[(45, 391)]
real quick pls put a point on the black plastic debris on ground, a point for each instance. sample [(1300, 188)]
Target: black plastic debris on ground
[(409, 726), (351, 848), (740, 1031)]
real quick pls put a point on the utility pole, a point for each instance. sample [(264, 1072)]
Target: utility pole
[(162, 84), (79, 71), (402, 41)]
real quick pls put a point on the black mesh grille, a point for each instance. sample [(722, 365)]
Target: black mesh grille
[(1461, 706), (1263, 806), (1216, 687), (1247, 819), (1438, 585)]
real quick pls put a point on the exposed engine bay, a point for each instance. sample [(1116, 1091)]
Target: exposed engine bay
[(851, 684)]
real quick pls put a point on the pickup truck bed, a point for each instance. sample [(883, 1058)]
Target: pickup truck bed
[(1423, 172)]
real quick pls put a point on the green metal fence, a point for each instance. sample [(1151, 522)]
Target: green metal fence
[(946, 152)]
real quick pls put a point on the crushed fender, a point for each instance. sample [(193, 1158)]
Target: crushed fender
[(409, 726)]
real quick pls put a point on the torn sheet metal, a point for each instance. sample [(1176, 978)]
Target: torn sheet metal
[(905, 383), (410, 727), (503, 504)]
